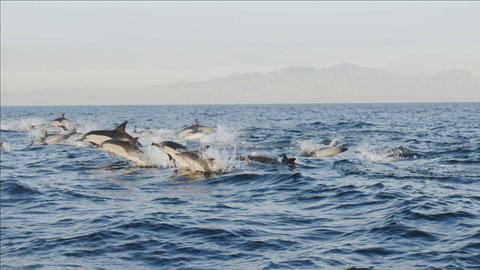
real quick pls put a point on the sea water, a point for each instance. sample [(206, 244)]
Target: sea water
[(406, 193)]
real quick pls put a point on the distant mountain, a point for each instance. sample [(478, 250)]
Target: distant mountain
[(343, 83)]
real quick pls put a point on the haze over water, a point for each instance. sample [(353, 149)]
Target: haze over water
[(404, 195)]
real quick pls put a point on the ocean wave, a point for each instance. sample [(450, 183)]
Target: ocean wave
[(15, 188)]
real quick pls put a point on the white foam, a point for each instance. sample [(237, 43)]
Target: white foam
[(24, 124), (225, 158), (383, 155), (156, 156), (72, 141), (308, 146), (6, 147), (224, 135)]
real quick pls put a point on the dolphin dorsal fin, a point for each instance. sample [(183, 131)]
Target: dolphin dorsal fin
[(63, 115), (121, 127), (45, 132), (195, 123)]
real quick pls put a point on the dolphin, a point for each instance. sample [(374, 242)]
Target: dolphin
[(54, 138), (170, 148), (195, 131), (262, 159), (97, 137), (34, 127), (324, 152), (128, 150), (62, 123), (29, 128), (1, 147), (179, 154), (142, 133)]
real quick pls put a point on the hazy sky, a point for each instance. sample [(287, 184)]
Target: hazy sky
[(68, 44)]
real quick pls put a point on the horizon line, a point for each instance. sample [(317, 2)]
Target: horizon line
[(248, 104)]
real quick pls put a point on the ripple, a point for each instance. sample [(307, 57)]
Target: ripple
[(375, 251)]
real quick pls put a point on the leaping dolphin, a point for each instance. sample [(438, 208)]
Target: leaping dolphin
[(54, 138), (195, 131), (189, 160), (97, 137), (62, 123), (262, 159), (142, 133), (324, 152), (128, 150)]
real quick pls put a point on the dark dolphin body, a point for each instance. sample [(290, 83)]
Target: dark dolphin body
[(268, 160), (170, 146), (97, 137)]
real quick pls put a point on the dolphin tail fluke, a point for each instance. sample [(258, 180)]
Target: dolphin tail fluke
[(173, 161), (122, 126), (210, 162)]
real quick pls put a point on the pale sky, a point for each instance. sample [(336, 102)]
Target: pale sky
[(61, 45)]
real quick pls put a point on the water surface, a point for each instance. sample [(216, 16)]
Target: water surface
[(405, 195)]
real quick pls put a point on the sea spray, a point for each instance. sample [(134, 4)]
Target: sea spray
[(25, 124), (386, 154)]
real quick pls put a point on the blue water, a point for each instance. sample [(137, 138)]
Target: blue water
[(406, 194)]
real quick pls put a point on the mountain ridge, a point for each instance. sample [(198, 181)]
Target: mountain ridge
[(341, 83)]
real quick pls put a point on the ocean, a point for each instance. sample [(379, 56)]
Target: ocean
[(405, 195)]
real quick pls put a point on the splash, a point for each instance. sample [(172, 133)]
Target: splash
[(387, 154), (5, 147), (26, 124), (224, 158), (156, 157), (224, 135), (310, 146), (222, 148)]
